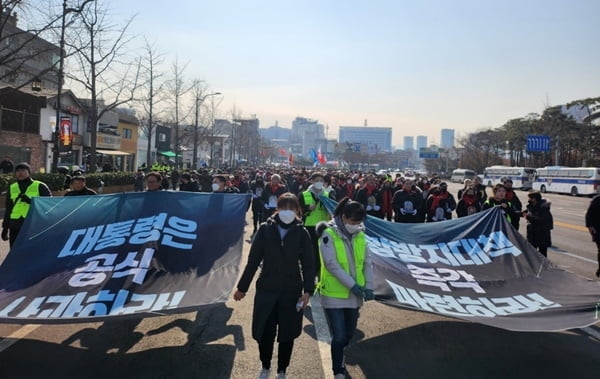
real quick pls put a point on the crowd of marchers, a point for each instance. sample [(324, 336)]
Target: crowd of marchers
[(303, 249)]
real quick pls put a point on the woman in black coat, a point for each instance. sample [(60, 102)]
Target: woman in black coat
[(285, 283), (539, 222)]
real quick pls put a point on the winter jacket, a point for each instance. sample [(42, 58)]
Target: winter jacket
[(539, 224), (287, 271)]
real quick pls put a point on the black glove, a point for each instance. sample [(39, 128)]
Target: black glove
[(358, 291), (25, 198), (4, 234), (369, 295)]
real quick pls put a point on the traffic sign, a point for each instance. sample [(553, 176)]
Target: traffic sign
[(429, 153), (538, 143)]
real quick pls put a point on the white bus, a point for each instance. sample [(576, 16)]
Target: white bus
[(522, 177), (460, 174), (571, 180)]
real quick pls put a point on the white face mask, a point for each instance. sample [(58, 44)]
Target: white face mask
[(215, 187), (349, 181), (287, 216), (318, 185), (351, 228)]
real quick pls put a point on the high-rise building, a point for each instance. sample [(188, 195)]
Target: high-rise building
[(304, 134), (375, 139), (409, 143), (447, 137), (421, 142)]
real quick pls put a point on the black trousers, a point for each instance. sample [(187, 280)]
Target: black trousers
[(265, 346)]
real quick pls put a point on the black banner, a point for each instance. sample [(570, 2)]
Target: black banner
[(87, 258), (477, 268)]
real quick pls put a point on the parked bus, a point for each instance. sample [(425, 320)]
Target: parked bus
[(522, 177), (572, 180), (460, 174)]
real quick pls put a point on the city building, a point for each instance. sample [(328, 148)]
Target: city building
[(246, 141), (447, 138), (421, 142), (275, 132), (304, 134), (371, 138), (409, 143)]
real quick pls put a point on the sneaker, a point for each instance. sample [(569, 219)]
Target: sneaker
[(281, 375), (264, 373)]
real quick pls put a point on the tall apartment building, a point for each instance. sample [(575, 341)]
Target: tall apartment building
[(447, 138), (376, 139), (421, 142), (409, 143)]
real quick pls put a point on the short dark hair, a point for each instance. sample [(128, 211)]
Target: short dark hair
[(220, 178), (353, 210), (535, 195)]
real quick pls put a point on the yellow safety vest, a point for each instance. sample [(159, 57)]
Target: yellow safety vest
[(20, 208), (319, 213), (329, 285), (508, 218)]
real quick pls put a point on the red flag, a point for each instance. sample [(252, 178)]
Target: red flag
[(282, 151), (321, 157), (291, 159)]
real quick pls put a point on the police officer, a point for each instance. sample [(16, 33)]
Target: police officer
[(18, 201)]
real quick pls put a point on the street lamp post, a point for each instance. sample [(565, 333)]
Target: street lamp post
[(199, 100)]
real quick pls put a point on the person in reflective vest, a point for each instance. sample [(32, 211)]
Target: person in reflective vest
[(313, 211), (498, 199), (18, 201), (346, 278)]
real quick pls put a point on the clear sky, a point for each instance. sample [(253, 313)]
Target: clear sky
[(415, 66)]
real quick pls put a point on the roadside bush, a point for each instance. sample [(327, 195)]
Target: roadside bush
[(56, 181)]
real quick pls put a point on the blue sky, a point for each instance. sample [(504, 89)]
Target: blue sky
[(415, 66)]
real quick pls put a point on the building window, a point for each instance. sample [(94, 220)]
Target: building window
[(162, 137), (127, 133)]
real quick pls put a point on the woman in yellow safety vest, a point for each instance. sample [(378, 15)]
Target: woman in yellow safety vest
[(346, 275)]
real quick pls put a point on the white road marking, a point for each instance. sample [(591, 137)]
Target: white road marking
[(559, 251), (16, 336), (323, 337)]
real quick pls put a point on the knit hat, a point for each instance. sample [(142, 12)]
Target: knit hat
[(23, 166)]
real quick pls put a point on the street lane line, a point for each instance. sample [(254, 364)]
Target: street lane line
[(559, 251), (323, 337), (571, 226), (16, 336)]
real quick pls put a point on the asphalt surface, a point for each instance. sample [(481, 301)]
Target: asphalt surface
[(216, 342)]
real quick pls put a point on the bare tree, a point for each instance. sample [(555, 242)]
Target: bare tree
[(25, 55), (152, 91), (101, 65), (177, 89)]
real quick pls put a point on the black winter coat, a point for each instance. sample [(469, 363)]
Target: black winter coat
[(539, 224), (288, 269)]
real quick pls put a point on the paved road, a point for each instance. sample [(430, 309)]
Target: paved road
[(217, 343)]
